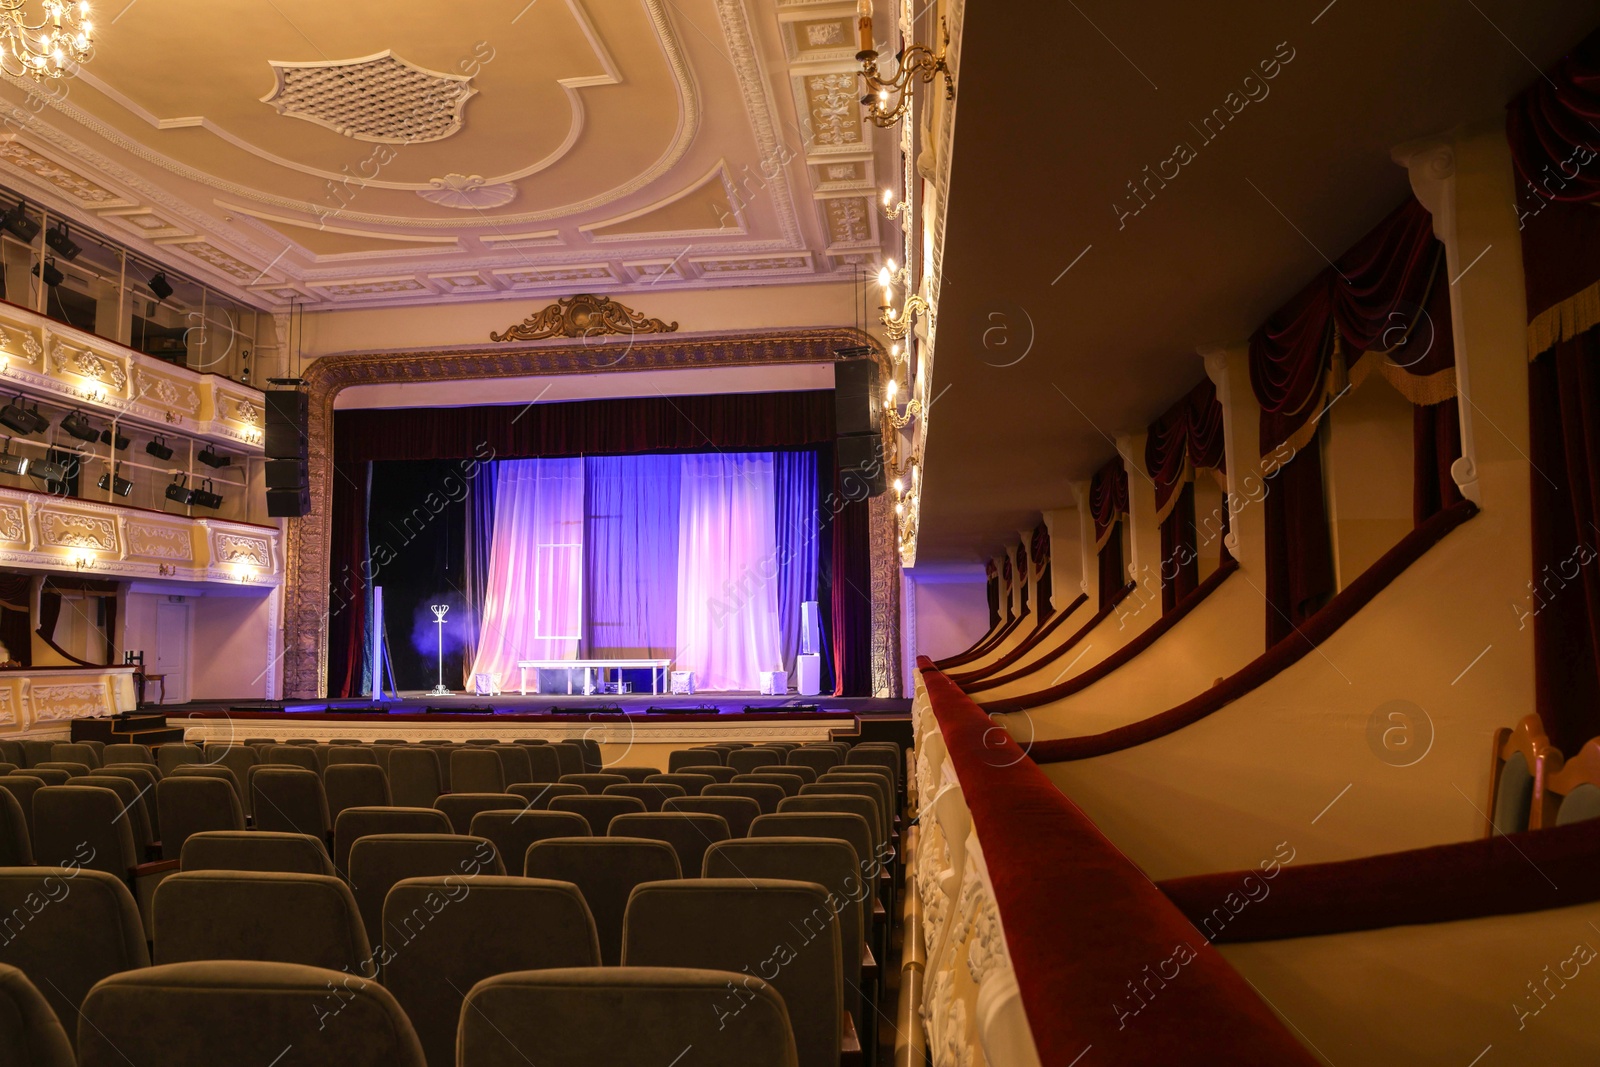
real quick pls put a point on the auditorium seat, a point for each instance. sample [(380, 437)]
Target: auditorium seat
[(76, 825), (514, 763), (875, 776), (293, 756), (212, 770), (484, 741), (378, 861), (71, 752), (605, 870), (356, 823), (1574, 790), (48, 775), (513, 832), (68, 929), (9, 768), (341, 755), (459, 808), (872, 791), (539, 794), (446, 936), (599, 810), (73, 769), (22, 788), (691, 784), (144, 777), (436, 742), (560, 1017), (881, 755), (746, 760), (545, 763), (477, 770), (290, 800), (594, 783), (271, 916), (237, 758), (678, 759), (837, 803), (414, 777), (715, 771), (848, 827), (13, 752), (730, 924), (190, 804), (737, 812), (789, 783), (1519, 757), (235, 1012), (346, 741), (529, 741), (689, 833), (30, 1033), (133, 807), (36, 751), (16, 841), (804, 773), (570, 755), (651, 794), (355, 785), (255, 850), (819, 759), (764, 794), (589, 753)]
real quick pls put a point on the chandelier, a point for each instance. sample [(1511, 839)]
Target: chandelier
[(888, 98), (46, 44)]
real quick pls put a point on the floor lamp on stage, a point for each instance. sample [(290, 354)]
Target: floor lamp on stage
[(380, 650), (439, 612)]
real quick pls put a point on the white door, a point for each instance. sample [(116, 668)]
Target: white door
[(172, 654)]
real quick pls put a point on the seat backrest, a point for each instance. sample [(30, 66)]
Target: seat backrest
[(291, 800), (36, 751), (83, 825), (292, 756), (13, 752), (190, 804), (213, 770), (127, 753), (691, 784), (485, 741), (652, 794), (144, 779), (632, 774), (818, 759), (238, 759), (48, 775), (30, 1033), (67, 928), (355, 785), (746, 760), (589, 752), (16, 842), (737, 812), (545, 763), (883, 756), (378, 861), (22, 787), (476, 770), (867, 773), (70, 752), (540, 794), (414, 777), (873, 791), (847, 827), (605, 870), (1574, 789), (560, 1016), (800, 770), (274, 916), (715, 771), (789, 783), (680, 758), (356, 823), (1522, 759), (230, 1011), (689, 833), (339, 755), (570, 756), (461, 807), (594, 783), (514, 763), (133, 806), (514, 832), (255, 850), (766, 796), (866, 807), (534, 923), (724, 924), (176, 753), (73, 770), (598, 810)]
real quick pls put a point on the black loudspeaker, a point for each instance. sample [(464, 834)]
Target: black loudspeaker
[(287, 415), (285, 474), (861, 472), (289, 503), (857, 397)]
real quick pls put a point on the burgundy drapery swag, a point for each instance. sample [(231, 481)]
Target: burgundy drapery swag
[(1186, 438), (1039, 551), (1108, 496)]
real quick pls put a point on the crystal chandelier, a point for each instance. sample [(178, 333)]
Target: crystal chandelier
[(45, 40)]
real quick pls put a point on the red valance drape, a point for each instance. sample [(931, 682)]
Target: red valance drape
[(1186, 438), (1108, 497), (1024, 571), (991, 576), (1039, 550)]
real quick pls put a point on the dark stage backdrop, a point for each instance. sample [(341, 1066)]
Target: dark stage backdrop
[(459, 443)]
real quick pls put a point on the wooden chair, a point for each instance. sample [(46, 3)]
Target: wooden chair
[(1522, 759), (1573, 790)]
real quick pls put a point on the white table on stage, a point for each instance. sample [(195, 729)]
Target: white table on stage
[(658, 671)]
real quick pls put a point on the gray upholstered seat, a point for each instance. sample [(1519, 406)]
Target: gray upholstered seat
[(872, 791), (489, 926), (477, 770), (72, 767), (864, 806), (846, 826), (817, 758), (461, 807), (691, 784), (737, 812), (689, 833), (190, 804), (725, 923), (414, 779), (77, 825), (605, 870), (290, 800), (255, 850), (514, 763), (36, 751), (539, 794), (570, 756), (356, 823), (766, 795), (789, 783), (144, 777), (513, 832), (292, 756), (378, 861), (237, 1012), (212, 770), (715, 771), (559, 1017), (598, 810), (48, 775), (594, 783), (746, 760), (13, 752), (545, 763), (80, 925), (355, 785), (680, 758), (22, 787), (806, 774), (340, 755), (589, 753), (881, 754), (174, 754), (133, 806), (16, 843), (632, 774), (238, 759), (30, 1033), (260, 915), (651, 794), (71, 752), (863, 772)]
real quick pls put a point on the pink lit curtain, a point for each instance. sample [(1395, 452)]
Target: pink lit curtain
[(728, 566), (533, 601)]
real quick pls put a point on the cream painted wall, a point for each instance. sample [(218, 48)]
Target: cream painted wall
[(952, 610), (231, 636), (1367, 453)]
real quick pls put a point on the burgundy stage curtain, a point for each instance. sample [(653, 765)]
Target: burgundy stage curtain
[(351, 572), (991, 575), (1180, 566), (1108, 505), (1039, 553), (851, 595), (1435, 445), (1186, 438), (1024, 566), (1007, 587)]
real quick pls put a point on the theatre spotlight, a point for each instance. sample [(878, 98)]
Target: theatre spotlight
[(40, 422), (119, 486), (212, 458), (52, 275), (179, 492), (48, 469), (119, 442), (10, 464), (157, 448), (64, 245), (160, 286), (78, 425), (207, 497), (19, 224), (17, 418)]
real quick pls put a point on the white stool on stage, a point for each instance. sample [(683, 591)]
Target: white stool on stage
[(774, 683), (683, 683), (486, 685)]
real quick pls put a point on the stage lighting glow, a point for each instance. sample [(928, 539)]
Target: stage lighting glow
[(10, 464)]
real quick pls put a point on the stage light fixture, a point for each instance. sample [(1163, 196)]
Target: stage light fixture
[(117, 441), (78, 425), (10, 464), (19, 224), (212, 458), (160, 286), (48, 469), (206, 497), (40, 422), (52, 274), (179, 492), (119, 486), (17, 418), (58, 239), (157, 448)]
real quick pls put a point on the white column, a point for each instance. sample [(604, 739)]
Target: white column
[(1088, 565), (1144, 533), (1228, 367)]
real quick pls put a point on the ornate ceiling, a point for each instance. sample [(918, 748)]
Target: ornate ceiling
[(362, 153)]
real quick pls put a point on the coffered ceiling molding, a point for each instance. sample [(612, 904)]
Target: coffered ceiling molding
[(382, 97), (843, 175), (708, 207), (829, 102), (535, 239), (467, 192), (754, 266), (851, 220), (657, 270), (540, 277), (821, 33), (374, 287), (64, 179), (467, 282)]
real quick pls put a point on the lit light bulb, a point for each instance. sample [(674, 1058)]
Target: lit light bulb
[(883, 277), (894, 350), (892, 267), (899, 509), (888, 195), (899, 486)]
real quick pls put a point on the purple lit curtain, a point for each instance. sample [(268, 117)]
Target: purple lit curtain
[(630, 549), (727, 570), (533, 607), (794, 476), (476, 554)]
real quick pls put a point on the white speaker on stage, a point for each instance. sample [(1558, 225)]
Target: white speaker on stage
[(810, 627), (808, 674)]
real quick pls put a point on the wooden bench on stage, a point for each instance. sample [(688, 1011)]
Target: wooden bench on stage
[(658, 671)]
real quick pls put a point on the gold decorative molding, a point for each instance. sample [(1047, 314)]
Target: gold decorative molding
[(584, 315)]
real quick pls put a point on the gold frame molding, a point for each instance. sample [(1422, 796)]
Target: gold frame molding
[(307, 562)]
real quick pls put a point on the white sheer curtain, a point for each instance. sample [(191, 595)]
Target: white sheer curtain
[(727, 570), (533, 607)]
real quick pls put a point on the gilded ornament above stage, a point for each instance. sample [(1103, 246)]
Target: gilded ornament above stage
[(584, 315)]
